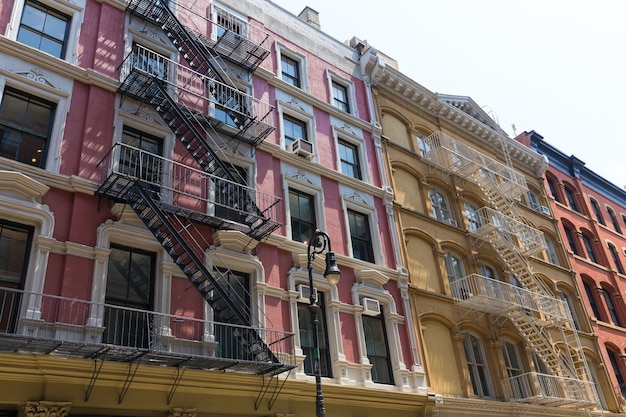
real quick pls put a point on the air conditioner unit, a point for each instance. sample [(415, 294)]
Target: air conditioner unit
[(304, 293), (545, 210), (371, 307), (452, 222), (301, 147)]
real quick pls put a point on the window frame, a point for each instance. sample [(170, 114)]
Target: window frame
[(282, 50), (363, 204), (42, 34), (589, 249), (567, 298), (62, 102), (553, 188), (593, 301), (552, 254), (436, 211), (355, 166), (74, 9), (291, 109), (29, 98), (570, 196), (307, 183), (370, 247), (312, 207), (570, 233), (614, 220), (611, 308), (380, 318), (326, 365), (352, 136), (619, 267), (348, 87), (595, 206), (485, 388), (471, 215)]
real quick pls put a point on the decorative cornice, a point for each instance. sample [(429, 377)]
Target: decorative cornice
[(47, 409)]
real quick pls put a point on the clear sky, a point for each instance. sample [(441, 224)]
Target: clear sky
[(554, 66)]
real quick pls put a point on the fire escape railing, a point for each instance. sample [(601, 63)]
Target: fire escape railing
[(530, 308), (208, 199), (41, 323), (209, 102)]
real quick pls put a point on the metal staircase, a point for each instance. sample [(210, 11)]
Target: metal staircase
[(544, 321)]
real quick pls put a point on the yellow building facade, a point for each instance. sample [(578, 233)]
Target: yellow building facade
[(501, 325)]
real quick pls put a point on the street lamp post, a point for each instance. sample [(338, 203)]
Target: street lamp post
[(318, 243)]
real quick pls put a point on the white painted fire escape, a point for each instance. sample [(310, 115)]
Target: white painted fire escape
[(544, 321)]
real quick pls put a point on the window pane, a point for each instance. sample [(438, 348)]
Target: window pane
[(303, 222), (306, 337), (43, 28), (360, 236), (14, 249), (377, 349)]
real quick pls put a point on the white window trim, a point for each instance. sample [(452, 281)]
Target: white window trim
[(284, 50), (47, 92), (76, 11), (351, 201), (308, 187), (489, 381), (213, 18), (391, 319), (333, 323), (343, 134), (234, 260), (301, 114), (129, 232), (349, 85)]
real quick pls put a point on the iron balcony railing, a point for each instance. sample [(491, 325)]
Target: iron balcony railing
[(489, 295), (556, 391), (209, 101), (487, 220), (41, 323), (178, 184), (457, 158)]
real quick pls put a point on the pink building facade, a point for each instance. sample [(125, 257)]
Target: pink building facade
[(162, 169)]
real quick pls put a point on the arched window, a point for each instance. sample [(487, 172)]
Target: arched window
[(514, 368), (551, 253), (471, 212), (589, 248), (477, 366), (552, 186), (567, 299), (454, 267), (596, 210), (570, 194), (440, 206), (614, 221), (617, 369), (616, 259), (488, 271), (610, 306), (591, 296), (571, 241)]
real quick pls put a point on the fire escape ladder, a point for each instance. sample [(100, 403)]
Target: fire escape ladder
[(195, 53), (220, 295), (545, 325), (153, 91)]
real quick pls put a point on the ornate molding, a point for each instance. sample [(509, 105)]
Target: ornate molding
[(47, 409), (296, 104), (301, 176), (38, 76), (357, 197)]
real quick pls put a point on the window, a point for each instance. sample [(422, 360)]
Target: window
[(360, 236), (25, 127), (130, 281), (237, 287), (231, 196), (44, 28), (293, 129), (617, 371), (340, 96), (571, 198), (488, 271), (616, 260), (15, 243), (551, 253), (589, 247), (306, 337), (422, 144), (229, 22), (596, 210), (473, 219), (440, 207), (592, 300), (477, 366), (533, 200), (553, 189), (569, 235), (140, 159), (454, 267), (567, 300), (349, 157), (290, 70), (302, 211), (513, 366), (614, 221), (377, 348), (611, 307)]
